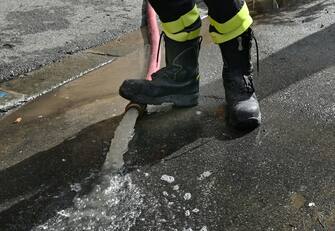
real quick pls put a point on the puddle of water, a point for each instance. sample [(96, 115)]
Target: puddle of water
[(69, 109)]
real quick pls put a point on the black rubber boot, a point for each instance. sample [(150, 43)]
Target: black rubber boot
[(242, 105), (177, 83)]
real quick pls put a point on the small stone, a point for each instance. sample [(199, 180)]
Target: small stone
[(195, 210), (168, 179), (187, 196), (43, 227), (64, 160), (297, 200), (165, 193), (176, 187), (303, 188), (72, 138), (204, 175), (198, 112), (170, 204), (146, 174), (204, 228), (18, 120), (63, 213), (187, 213), (76, 187), (311, 204)]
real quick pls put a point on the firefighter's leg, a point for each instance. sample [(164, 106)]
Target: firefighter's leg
[(178, 82), (230, 28)]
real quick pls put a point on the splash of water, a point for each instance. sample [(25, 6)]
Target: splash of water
[(116, 202)]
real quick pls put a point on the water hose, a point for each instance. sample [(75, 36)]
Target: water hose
[(153, 34), (154, 59), (125, 131)]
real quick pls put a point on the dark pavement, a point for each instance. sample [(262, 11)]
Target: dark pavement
[(186, 169), (39, 32)]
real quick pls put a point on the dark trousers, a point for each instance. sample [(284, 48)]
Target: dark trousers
[(228, 18), (219, 10)]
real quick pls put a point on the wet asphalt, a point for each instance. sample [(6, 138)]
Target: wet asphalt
[(39, 32), (190, 170)]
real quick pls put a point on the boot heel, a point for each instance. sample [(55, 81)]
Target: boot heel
[(186, 100)]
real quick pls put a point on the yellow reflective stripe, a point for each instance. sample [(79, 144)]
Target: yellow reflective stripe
[(184, 36), (233, 27), (181, 23), (221, 38), (233, 23)]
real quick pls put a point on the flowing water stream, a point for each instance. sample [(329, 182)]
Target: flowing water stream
[(122, 136), (113, 204)]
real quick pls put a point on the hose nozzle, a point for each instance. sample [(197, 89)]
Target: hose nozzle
[(141, 108)]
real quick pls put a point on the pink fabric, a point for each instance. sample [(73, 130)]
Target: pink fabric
[(153, 31)]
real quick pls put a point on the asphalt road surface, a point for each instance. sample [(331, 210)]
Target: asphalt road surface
[(37, 32), (186, 170)]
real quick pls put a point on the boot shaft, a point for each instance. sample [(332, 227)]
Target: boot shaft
[(184, 54), (236, 54), (177, 83)]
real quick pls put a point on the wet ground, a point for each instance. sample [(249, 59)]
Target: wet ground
[(39, 32), (185, 169)]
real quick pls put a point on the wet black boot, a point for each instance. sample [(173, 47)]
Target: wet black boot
[(242, 105), (177, 83)]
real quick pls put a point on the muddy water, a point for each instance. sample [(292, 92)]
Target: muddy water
[(66, 111)]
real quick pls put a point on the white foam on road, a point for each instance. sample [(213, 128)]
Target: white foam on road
[(115, 204)]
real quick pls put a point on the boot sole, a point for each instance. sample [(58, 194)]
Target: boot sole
[(177, 100), (248, 124)]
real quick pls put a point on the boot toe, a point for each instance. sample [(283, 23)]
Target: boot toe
[(129, 89), (246, 116)]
